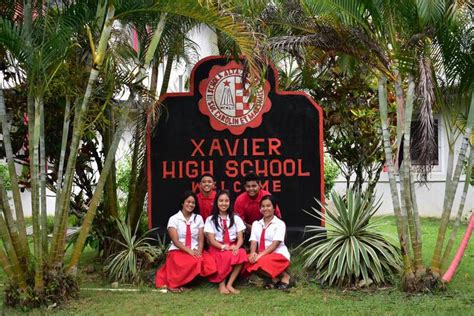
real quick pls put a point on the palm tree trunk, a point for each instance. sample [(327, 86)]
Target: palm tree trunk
[(57, 248), (7, 267), (155, 40), (42, 163), (451, 192), (35, 209), (62, 155), (18, 273), (154, 78), (167, 74), (457, 222), (12, 228), (403, 203), (400, 220), (110, 193), (400, 101), (30, 102), (449, 171), (416, 215), (131, 200), (89, 217), (60, 196), (400, 107), (406, 180), (20, 220)]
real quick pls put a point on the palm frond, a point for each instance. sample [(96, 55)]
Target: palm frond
[(426, 146), (222, 20), (12, 39), (429, 11)]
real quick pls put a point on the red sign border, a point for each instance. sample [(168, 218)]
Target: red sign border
[(191, 93)]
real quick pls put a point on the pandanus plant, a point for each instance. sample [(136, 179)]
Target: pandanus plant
[(350, 250)]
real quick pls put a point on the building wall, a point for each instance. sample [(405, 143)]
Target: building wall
[(430, 196)]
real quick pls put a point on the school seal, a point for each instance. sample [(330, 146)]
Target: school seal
[(228, 102)]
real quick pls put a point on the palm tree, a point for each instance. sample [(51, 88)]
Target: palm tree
[(407, 43), (41, 48), (172, 46)]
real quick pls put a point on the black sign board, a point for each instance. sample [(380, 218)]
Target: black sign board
[(219, 128)]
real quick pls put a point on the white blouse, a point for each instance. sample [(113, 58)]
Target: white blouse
[(179, 222), (276, 230), (219, 234)]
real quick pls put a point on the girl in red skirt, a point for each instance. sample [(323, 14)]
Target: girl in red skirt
[(268, 254), (186, 258), (225, 234)]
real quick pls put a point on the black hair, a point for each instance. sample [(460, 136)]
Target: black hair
[(215, 210), (206, 175), (188, 194), (271, 198), (251, 177)]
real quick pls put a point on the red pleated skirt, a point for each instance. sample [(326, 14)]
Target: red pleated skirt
[(225, 260), (272, 264), (181, 268)]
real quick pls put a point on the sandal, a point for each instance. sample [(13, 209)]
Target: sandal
[(283, 286), (270, 286), (175, 290)]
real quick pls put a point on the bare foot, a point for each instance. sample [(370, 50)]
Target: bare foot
[(232, 290), (285, 278), (223, 289)]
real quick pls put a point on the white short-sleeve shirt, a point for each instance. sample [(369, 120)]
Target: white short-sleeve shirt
[(238, 226), (275, 230), (179, 222)]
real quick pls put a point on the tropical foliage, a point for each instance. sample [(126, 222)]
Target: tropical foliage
[(5, 176), (73, 62), (77, 53), (134, 254), (350, 250), (347, 91), (409, 43), (331, 172)]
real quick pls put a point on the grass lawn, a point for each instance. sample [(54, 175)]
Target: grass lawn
[(306, 298)]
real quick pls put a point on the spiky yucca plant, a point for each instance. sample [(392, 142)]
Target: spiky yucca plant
[(354, 250), (133, 255)]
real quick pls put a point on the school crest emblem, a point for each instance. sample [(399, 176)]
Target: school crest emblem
[(227, 101)]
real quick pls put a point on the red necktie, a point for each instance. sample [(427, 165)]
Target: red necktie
[(261, 245), (188, 236), (226, 232)]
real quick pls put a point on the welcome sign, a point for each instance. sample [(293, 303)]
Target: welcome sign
[(219, 127)]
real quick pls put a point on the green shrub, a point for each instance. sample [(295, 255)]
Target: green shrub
[(134, 254), (354, 252), (331, 172), (124, 170), (50, 222), (5, 175), (59, 287)]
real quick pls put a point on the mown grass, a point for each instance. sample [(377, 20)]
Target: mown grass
[(305, 299)]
